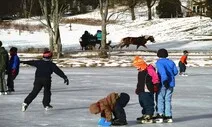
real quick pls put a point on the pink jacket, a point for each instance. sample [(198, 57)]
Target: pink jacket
[(153, 74)]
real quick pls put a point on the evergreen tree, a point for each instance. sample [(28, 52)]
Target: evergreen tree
[(169, 8), (209, 8)]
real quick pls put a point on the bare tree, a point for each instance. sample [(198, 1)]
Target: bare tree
[(52, 14), (103, 6), (132, 4), (150, 3)]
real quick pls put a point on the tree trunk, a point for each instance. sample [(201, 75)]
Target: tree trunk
[(104, 13), (149, 13), (132, 13)]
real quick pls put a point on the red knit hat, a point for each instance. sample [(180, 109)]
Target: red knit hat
[(47, 54)]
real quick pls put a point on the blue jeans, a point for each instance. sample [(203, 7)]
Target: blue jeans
[(164, 101)]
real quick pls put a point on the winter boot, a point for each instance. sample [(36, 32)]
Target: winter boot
[(168, 119), (24, 107)]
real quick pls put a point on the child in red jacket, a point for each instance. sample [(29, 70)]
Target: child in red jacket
[(182, 63)]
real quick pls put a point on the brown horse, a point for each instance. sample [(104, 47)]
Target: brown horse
[(139, 41)]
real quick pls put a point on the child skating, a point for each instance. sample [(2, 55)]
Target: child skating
[(182, 63), (167, 70), (146, 86), (111, 109), (45, 68)]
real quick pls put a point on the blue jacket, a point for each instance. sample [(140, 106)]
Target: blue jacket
[(167, 70), (14, 63)]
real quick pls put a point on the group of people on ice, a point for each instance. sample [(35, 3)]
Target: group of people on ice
[(9, 66), (45, 68), (155, 86), (154, 90)]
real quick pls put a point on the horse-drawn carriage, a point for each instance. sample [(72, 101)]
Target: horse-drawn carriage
[(89, 42)]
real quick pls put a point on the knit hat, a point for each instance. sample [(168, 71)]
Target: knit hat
[(47, 55), (94, 108), (162, 53), (123, 99), (139, 63), (0, 43)]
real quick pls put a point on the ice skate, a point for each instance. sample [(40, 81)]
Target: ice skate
[(168, 119), (49, 107), (24, 107), (158, 118), (145, 119), (2, 93), (183, 74)]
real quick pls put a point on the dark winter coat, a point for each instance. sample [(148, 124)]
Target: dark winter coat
[(144, 78), (4, 59), (45, 68)]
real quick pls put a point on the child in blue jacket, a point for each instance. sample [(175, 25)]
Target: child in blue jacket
[(13, 69), (167, 70)]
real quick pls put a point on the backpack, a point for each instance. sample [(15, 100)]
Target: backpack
[(3, 59), (155, 78)]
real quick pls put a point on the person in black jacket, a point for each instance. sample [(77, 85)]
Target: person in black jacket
[(145, 91), (45, 68)]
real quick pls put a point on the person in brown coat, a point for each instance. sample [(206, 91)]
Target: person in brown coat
[(111, 105)]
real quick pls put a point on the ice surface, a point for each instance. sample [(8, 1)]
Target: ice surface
[(192, 99)]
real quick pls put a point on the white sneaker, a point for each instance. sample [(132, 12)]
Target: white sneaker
[(1, 93), (24, 107)]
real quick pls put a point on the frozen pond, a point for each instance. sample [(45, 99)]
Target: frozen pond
[(192, 99)]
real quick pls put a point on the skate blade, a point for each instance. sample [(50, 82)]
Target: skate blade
[(145, 122)]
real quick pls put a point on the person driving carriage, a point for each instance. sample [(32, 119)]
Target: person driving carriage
[(86, 36)]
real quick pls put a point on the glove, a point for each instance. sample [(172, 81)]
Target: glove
[(66, 81), (166, 84), (101, 121), (13, 72)]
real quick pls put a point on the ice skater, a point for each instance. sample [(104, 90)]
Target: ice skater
[(45, 68), (114, 104), (167, 70), (13, 69), (182, 63), (147, 84)]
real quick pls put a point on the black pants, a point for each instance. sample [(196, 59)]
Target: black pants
[(39, 83), (10, 81), (119, 112), (146, 100), (182, 67)]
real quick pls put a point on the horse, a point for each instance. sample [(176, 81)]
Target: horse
[(139, 41)]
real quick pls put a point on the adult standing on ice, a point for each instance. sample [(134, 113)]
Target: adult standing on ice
[(45, 68), (4, 59)]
